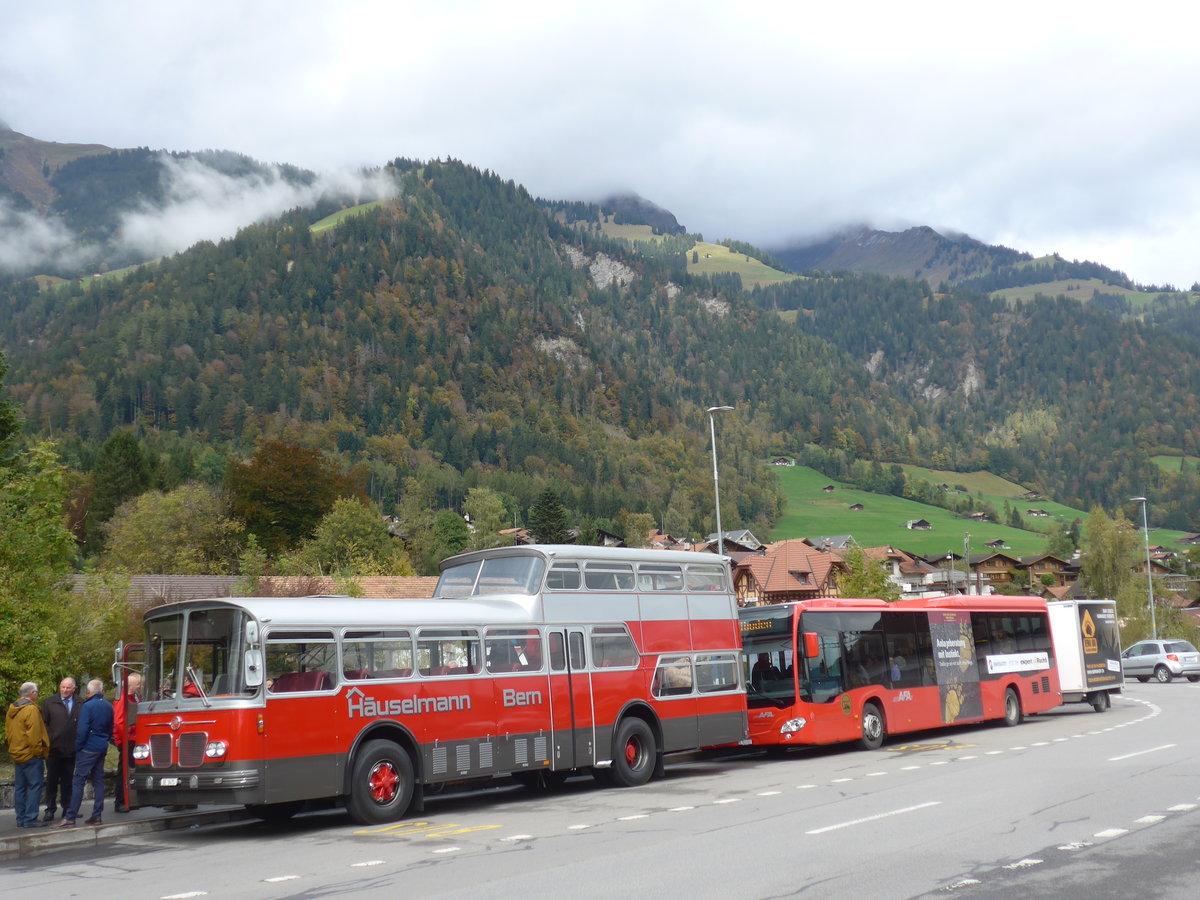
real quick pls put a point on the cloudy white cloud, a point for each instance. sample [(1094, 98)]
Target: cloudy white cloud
[(1065, 126)]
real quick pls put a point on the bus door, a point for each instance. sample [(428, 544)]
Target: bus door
[(127, 660), (571, 700)]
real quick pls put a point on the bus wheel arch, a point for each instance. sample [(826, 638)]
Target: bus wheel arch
[(874, 725), (1013, 714)]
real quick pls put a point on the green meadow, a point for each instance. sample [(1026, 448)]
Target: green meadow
[(713, 259)]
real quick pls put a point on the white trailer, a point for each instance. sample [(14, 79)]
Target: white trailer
[(1087, 650)]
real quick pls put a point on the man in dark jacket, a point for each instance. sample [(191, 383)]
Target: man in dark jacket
[(92, 738), (61, 715)]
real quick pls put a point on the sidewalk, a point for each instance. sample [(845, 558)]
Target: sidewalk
[(20, 843)]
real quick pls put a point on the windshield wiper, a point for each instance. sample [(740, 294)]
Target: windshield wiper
[(198, 685)]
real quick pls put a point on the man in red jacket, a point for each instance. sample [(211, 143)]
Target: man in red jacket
[(124, 739)]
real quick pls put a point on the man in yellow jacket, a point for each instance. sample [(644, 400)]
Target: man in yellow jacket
[(28, 745)]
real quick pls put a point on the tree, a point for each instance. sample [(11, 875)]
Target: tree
[(450, 532), (10, 422), (121, 473), (282, 492), (351, 540), (1108, 566), (184, 532), (637, 528), (1059, 541), (488, 516), (35, 557), (548, 520), (866, 578)]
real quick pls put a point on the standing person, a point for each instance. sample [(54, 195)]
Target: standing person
[(133, 694), (28, 745), (92, 738), (61, 715)]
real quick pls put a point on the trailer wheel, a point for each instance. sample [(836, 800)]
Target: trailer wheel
[(874, 729), (382, 784), (1193, 678), (1101, 701), (635, 753), (1012, 708), (1162, 675)]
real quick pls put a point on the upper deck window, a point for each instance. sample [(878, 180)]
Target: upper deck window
[(659, 577), (608, 576), (494, 575)]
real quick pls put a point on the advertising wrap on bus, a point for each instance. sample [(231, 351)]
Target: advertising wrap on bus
[(528, 662)]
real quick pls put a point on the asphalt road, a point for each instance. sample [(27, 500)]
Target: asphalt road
[(1069, 804)]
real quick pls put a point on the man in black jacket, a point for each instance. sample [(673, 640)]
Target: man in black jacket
[(61, 715)]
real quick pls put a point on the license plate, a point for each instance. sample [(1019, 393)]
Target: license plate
[(168, 782)]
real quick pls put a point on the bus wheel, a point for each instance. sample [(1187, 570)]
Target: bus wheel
[(634, 753), (873, 728), (275, 812), (1162, 674), (382, 784), (1012, 708)]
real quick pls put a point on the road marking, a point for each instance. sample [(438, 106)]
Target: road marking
[(413, 827), (966, 882), (186, 896), (805, 787), (1111, 832), (446, 850), (450, 830), (968, 757), (875, 774), (518, 837), (1148, 820), (680, 808), (940, 762), (1041, 744), (1060, 740), (631, 818), (577, 827), (1024, 864), (367, 864), (1075, 845), (279, 878), (728, 800), (994, 752), (1141, 752), (841, 780), (1181, 807), (769, 793), (874, 818)]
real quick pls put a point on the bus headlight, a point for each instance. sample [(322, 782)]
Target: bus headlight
[(141, 751), (792, 725), (215, 749)]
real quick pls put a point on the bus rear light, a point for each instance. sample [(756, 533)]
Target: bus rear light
[(141, 751), (792, 725), (216, 749)]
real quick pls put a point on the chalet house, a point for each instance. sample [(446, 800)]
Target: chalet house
[(979, 517), (786, 571), (608, 539), (1037, 513), (829, 489), (1190, 539), (742, 537), (921, 576), (994, 568), (856, 507), (1030, 495), (1061, 571), (918, 525), (997, 544), (783, 461)]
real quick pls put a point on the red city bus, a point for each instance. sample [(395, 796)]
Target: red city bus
[(532, 662), (829, 670)]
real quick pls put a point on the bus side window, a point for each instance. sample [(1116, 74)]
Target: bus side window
[(563, 577), (558, 653), (673, 677)]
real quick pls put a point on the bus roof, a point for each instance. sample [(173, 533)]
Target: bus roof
[(983, 603), (587, 552), (331, 612)]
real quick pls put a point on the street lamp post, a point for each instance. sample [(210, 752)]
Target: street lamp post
[(1149, 578), (712, 430)]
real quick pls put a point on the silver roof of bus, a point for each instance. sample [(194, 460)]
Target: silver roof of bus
[(585, 552)]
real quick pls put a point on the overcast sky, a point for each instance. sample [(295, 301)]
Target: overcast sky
[(1058, 126)]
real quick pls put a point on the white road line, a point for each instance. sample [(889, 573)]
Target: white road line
[(577, 827), (908, 768), (1075, 845), (518, 837), (279, 878), (865, 819), (940, 762), (841, 780), (805, 787), (186, 896), (631, 818), (875, 774), (1148, 820), (1111, 832), (1181, 807), (680, 808), (768, 793), (446, 850), (366, 864), (1024, 864), (728, 800), (966, 882), (968, 757), (1141, 752), (994, 752)]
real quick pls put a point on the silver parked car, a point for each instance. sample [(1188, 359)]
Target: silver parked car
[(1161, 660)]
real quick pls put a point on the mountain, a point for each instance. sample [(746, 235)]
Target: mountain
[(926, 255), (27, 165), (462, 333)]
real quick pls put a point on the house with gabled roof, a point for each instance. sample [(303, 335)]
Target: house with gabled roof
[(994, 568), (784, 572), (1062, 571)]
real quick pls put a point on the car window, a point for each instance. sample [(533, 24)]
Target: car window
[(1180, 647)]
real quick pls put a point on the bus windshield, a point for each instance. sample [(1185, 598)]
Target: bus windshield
[(768, 658), (494, 575), (196, 654)]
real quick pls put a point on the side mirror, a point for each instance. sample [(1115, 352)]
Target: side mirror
[(812, 645), (251, 632), (253, 674)]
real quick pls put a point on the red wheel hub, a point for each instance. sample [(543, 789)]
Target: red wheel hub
[(383, 782), (632, 751)]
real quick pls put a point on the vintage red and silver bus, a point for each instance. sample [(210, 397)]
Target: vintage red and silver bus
[(532, 661), (829, 670)]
